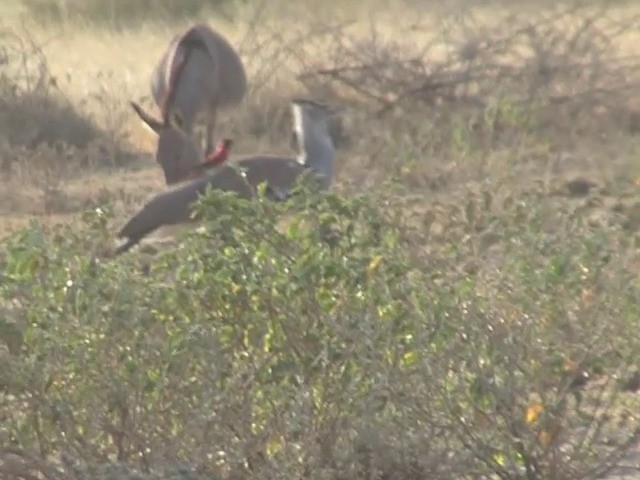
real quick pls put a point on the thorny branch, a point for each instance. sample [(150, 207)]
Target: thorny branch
[(572, 55)]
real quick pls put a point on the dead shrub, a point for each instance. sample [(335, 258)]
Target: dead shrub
[(563, 65), (34, 112), (117, 13)]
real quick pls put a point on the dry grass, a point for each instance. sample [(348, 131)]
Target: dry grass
[(95, 71)]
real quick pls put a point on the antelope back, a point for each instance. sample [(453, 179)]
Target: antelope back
[(199, 70), (233, 78)]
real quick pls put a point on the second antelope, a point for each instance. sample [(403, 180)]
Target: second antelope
[(242, 176), (198, 74)]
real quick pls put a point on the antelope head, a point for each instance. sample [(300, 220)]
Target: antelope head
[(176, 151)]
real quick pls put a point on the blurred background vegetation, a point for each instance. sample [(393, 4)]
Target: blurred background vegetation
[(122, 13)]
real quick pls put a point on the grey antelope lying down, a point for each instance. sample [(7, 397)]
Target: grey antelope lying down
[(198, 74), (316, 154)]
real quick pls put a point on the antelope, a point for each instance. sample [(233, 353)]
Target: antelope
[(243, 175), (198, 74)]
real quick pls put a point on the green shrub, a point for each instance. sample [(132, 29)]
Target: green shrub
[(324, 337)]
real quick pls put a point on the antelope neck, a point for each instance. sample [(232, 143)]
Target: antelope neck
[(316, 152)]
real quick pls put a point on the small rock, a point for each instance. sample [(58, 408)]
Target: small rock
[(579, 187)]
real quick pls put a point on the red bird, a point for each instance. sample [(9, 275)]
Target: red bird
[(218, 157), (220, 154)]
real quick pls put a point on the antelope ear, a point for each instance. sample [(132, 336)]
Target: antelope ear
[(153, 123)]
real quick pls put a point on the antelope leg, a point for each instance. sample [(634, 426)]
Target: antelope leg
[(211, 124)]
